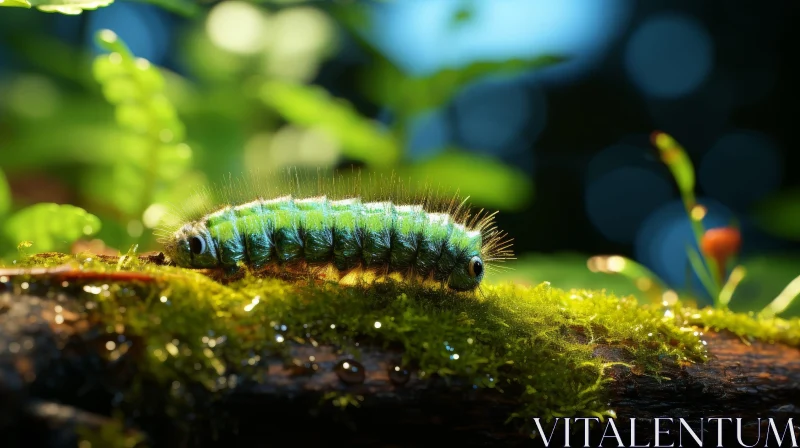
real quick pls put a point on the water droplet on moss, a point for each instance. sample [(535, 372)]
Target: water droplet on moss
[(350, 371), (399, 375), (299, 367)]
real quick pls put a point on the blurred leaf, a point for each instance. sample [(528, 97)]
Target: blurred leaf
[(726, 293), (355, 19), (86, 143), (155, 155), (564, 270), (678, 162), (207, 62), (50, 226), (464, 14), (682, 169), (486, 181), (17, 3), (645, 280), (5, 194), (312, 106), (70, 7), (767, 276), (186, 8), (780, 214), (700, 266), (54, 56), (388, 86), (784, 299)]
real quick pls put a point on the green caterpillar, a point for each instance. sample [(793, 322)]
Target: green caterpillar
[(450, 246)]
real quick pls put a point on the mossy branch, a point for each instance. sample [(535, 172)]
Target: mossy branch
[(172, 342)]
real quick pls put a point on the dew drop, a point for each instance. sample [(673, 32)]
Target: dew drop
[(399, 375), (350, 371), (299, 367)]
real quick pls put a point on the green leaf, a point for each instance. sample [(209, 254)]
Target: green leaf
[(699, 266), (5, 194), (464, 14), (726, 293), (646, 281), (767, 278), (50, 226), (52, 56), (16, 3), (486, 181), (784, 299), (312, 106), (678, 162), (563, 270), (186, 8), (389, 86), (69, 7), (780, 214), (156, 156)]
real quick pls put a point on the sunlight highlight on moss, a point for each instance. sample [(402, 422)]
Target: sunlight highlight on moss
[(537, 344)]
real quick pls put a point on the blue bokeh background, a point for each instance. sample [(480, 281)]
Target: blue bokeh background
[(716, 77)]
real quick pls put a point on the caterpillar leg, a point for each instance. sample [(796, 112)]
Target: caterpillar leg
[(396, 276), (326, 272), (363, 276), (353, 277)]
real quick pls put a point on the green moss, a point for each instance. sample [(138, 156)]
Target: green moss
[(537, 343), (748, 326)]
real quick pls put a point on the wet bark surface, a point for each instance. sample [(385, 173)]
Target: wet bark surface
[(53, 379)]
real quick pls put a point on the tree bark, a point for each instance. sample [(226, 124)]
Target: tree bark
[(43, 364)]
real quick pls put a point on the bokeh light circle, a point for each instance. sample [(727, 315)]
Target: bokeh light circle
[(618, 201), (237, 27), (422, 37), (663, 238), (623, 154), (741, 168), (490, 115), (669, 55)]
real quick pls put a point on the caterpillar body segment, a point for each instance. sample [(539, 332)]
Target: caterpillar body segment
[(347, 234)]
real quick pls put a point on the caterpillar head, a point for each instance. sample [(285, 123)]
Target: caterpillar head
[(191, 246), (474, 249), (468, 272)]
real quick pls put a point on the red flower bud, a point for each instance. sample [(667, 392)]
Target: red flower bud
[(720, 244)]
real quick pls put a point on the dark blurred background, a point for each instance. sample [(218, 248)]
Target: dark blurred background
[(540, 109)]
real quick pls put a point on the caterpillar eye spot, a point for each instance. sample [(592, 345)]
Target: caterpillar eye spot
[(197, 245), (475, 267)]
